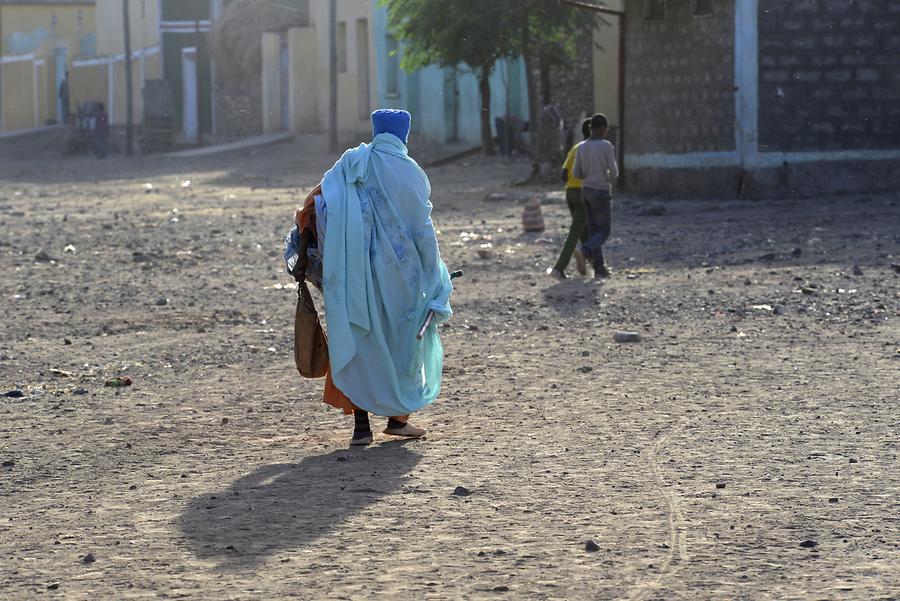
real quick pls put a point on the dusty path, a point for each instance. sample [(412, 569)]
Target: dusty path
[(751, 418)]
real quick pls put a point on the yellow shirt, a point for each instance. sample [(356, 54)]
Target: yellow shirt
[(573, 182)]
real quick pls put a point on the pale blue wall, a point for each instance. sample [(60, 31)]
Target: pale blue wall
[(428, 93), (20, 42)]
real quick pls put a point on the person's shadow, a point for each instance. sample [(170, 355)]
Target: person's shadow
[(285, 506), (572, 296)]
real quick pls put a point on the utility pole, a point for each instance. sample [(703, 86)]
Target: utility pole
[(1, 73), (623, 30), (129, 87), (333, 92), (197, 44)]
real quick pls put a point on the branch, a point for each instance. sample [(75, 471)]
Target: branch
[(594, 7)]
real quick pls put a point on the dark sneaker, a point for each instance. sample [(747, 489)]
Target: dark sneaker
[(361, 438), (602, 272)]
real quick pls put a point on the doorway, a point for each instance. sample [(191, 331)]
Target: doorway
[(285, 64), (189, 115)]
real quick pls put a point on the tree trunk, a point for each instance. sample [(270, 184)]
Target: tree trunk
[(533, 128), (484, 88), (546, 91)]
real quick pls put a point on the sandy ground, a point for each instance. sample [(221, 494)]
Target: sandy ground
[(752, 417)]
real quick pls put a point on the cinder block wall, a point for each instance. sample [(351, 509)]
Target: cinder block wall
[(679, 93), (572, 88), (829, 75), (238, 109)]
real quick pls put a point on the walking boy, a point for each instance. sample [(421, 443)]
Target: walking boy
[(595, 165), (578, 230)]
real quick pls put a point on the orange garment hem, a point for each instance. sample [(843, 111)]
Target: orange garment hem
[(334, 397), (305, 218)]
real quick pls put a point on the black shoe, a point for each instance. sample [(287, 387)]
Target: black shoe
[(361, 437), (602, 272)]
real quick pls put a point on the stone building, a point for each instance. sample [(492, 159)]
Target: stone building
[(762, 97), (251, 36), (588, 84)]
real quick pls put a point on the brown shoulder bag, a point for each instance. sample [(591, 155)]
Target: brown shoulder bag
[(310, 343)]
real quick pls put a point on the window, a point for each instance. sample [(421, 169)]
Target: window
[(654, 10), (392, 67), (87, 44), (342, 47), (702, 8)]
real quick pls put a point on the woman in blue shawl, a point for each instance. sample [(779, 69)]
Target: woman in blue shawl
[(382, 276)]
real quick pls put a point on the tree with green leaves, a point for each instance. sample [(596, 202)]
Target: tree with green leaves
[(479, 33), (546, 33), (453, 32)]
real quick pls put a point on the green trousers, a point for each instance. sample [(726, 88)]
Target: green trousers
[(578, 230)]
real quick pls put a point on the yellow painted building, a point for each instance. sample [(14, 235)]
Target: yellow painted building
[(144, 20), (305, 106), (38, 41), (101, 77), (606, 64)]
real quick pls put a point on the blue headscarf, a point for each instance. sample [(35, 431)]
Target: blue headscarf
[(391, 121)]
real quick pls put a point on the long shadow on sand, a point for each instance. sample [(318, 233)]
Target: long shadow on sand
[(286, 506)]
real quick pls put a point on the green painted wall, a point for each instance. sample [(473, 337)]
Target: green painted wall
[(172, 45)]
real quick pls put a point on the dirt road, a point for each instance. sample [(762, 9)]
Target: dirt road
[(745, 448)]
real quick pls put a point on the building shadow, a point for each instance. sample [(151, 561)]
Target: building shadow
[(286, 506)]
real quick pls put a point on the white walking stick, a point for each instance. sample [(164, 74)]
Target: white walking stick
[(430, 316)]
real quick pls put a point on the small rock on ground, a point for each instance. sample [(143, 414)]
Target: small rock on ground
[(461, 491), (627, 337)]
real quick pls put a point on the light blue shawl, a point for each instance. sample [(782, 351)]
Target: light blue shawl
[(383, 273)]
